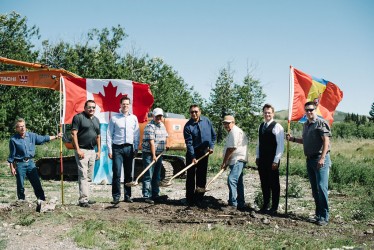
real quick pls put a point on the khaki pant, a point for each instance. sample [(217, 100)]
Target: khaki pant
[(85, 167)]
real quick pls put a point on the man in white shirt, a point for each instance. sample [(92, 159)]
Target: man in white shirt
[(235, 156), (269, 150), (123, 137)]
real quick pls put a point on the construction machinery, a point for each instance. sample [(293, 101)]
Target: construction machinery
[(41, 76)]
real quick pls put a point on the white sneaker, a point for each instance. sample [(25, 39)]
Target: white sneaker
[(39, 205)]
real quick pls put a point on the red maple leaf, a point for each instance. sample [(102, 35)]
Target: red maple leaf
[(109, 101)]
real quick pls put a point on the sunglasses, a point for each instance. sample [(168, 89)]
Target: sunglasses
[(91, 107), (194, 112), (309, 110)]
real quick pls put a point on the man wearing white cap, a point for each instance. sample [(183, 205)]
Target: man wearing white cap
[(154, 143), (235, 155)]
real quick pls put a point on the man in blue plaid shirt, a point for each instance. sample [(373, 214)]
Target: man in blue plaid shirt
[(154, 143)]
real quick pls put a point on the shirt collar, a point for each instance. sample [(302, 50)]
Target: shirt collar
[(120, 112), (268, 123), (156, 124), (26, 135)]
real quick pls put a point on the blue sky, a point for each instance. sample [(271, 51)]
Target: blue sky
[(331, 39)]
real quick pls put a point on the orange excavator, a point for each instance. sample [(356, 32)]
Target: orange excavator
[(41, 76)]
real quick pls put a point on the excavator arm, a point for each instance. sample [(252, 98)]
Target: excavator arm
[(39, 76)]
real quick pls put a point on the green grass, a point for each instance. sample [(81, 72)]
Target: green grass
[(134, 234)]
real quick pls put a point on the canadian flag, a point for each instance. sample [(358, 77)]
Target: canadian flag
[(107, 94)]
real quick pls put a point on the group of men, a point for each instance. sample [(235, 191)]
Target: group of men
[(123, 138)]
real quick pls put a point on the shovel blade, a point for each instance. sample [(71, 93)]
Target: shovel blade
[(201, 190), (131, 184), (165, 184)]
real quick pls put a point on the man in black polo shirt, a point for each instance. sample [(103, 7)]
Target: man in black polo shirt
[(85, 131)]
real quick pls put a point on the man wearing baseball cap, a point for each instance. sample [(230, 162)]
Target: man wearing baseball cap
[(235, 156), (154, 143)]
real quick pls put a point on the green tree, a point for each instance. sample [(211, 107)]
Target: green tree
[(249, 99), (221, 100), (99, 57), (371, 113), (37, 106), (169, 90)]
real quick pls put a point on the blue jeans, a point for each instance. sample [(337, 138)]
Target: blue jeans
[(319, 181), (28, 169), (236, 185), (122, 155), (152, 177)]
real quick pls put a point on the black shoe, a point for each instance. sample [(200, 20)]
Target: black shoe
[(188, 203), (91, 202), (114, 202), (149, 201), (272, 212), (159, 199), (84, 204), (39, 205), (201, 204), (242, 208), (263, 210), (128, 199)]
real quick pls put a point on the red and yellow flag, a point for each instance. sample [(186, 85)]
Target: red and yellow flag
[(305, 88)]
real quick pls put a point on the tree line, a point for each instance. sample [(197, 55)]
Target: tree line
[(99, 54)]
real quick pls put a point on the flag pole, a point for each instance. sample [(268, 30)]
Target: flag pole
[(61, 158), (290, 106)]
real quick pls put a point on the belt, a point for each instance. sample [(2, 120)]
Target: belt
[(22, 160), (122, 145), (315, 156)]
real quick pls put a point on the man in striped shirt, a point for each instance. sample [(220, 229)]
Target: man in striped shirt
[(154, 143)]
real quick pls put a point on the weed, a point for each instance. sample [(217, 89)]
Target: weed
[(259, 200), (358, 214), (295, 190), (26, 220), (3, 243)]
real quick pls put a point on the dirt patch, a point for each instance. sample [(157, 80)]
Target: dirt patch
[(167, 213)]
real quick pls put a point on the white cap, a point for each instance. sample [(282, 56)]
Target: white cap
[(228, 119), (157, 111)]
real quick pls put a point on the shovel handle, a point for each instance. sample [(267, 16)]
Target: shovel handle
[(215, 177), (148, 167), (180, 172)]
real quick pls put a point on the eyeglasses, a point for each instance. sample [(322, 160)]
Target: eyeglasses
[(91, 107), (194, 112), (309, 110)]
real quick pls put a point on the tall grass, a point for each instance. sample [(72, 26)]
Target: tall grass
[(352, 159), (48, 149)]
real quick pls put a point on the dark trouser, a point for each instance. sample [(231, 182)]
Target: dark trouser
[(196, 177), (269, 185), (28, 169), (122, 155)]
